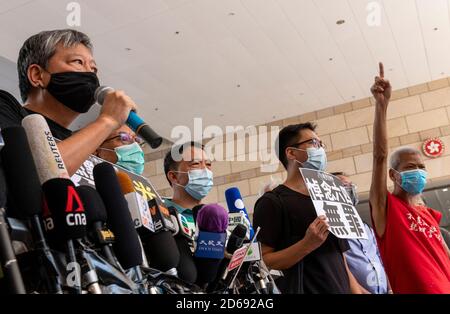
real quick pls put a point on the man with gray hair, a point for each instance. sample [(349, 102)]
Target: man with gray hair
[(58, 79), (415, 257)]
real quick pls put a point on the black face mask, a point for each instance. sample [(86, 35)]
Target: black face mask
[(74, 90)]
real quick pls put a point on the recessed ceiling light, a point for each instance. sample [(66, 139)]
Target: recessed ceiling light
[(340, 22), (301, 94), (330, 59), (231, 14), (156, 108), (128, 49), (177, 33), (274, 117), (238, 85), (435, 29)]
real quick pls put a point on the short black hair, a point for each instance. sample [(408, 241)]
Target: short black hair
[(170, 163), (288, 136)]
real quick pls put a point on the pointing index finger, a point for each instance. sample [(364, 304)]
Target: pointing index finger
[(381, 70)]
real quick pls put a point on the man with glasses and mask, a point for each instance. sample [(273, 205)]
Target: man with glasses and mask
[(415, 256), (293, 238), (363, 257), (124, 149)]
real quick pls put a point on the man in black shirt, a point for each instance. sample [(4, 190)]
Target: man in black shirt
[(293, 238)]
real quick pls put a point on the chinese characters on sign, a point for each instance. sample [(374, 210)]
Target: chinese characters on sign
[(330, 198)]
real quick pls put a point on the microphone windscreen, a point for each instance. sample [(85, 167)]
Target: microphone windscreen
[(236, 239), (46, 155), (66, 209), (93, 204), (126, 185), (20, 172), (101, 92), (234, 200), (126, 245), (212, 218), (186, 268), (161, 250)]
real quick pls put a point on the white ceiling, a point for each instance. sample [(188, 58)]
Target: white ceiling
[(288, 56)]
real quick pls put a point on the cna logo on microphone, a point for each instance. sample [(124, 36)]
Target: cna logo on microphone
[(75, 215)]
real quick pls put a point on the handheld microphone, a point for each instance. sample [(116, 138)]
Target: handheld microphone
[(134, 121), (237, 212), (46, 155), (96, 219), (212, 222), (26, 194)]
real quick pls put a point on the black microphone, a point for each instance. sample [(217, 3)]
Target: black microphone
[(160, 248), (212, 222), (26, 194), (96, 219), (134, 121), (66, 221), (127, 245)]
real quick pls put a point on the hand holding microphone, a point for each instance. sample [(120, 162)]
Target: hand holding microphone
[(120, 108)]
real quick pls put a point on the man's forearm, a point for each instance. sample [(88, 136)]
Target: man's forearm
[(77, 148), (288, 257), (380, 137)]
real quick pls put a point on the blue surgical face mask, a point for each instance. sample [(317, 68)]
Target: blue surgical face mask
[(413, 181), (131, 157), (317, 158), (200, 183)]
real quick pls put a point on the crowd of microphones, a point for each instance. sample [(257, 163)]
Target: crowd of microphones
[(60, 238)]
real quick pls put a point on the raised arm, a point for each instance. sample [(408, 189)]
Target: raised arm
[(381, 91)]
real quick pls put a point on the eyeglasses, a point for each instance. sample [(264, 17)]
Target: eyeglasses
[(314, 142), (127, 138)]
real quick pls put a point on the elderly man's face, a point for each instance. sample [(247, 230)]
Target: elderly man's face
[(408, 161)]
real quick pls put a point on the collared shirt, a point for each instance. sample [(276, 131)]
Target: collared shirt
[(365, 263), (186, 212)]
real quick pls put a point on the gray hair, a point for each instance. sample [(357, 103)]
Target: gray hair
[(394, 161), (39, 48)]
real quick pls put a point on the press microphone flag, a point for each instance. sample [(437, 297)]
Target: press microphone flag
[(237, 211)]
